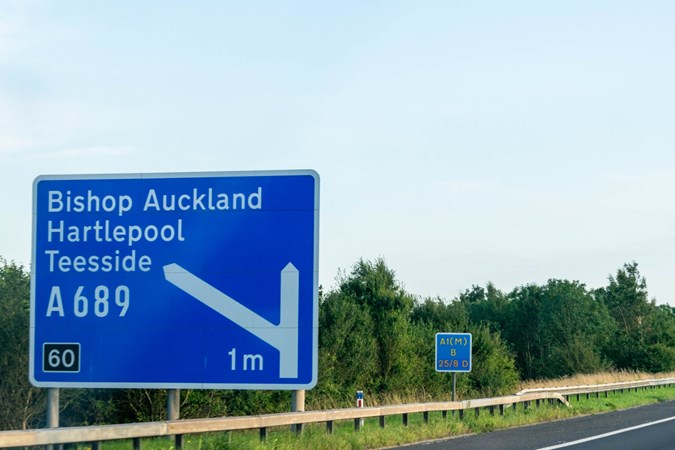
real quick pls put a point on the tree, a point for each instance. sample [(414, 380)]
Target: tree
[(574, 329), (486, 305), (626, 298), (373, 287), (22, 406), (493, 372), (521, 328), (645, 334), (441, 316), (347, 347)]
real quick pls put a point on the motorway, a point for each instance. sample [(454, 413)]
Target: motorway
[(645, 428)]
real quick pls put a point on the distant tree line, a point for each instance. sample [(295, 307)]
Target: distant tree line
[(376, 337)]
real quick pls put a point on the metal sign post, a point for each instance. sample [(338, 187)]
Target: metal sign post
[(53, 395), (297, 405), (173, 412), (171, 281)]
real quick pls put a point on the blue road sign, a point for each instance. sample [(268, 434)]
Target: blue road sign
[(197, 280), (453, 352)]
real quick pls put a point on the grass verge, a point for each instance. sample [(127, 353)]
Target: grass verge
[(314, 436), (615, 376)]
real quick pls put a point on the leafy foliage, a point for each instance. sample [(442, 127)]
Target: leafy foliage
[(494, 372), (404, 332), (21, 405), (376, 337), (348, 358), (644, 335)]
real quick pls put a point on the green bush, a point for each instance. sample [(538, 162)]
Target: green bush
[(494, 372)]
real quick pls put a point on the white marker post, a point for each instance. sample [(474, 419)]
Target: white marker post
[(358, 423)]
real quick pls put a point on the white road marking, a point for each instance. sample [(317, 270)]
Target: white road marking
[(612, 433)]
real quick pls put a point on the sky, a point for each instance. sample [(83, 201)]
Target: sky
[(464, 142)]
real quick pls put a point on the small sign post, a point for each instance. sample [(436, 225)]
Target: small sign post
[(359, 404), (453, 354)]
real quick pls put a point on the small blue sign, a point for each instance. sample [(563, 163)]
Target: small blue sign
[(453, 352), (197, 280)]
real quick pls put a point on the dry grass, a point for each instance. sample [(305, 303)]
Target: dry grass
[(594, 378), (370, 400), (421, 396)]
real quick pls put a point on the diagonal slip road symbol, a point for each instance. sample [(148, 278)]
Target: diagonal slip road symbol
[(283, 337)]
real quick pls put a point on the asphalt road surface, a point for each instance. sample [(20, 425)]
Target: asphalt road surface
[(645, 428)]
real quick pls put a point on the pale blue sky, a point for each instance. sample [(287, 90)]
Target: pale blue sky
[(463, 141)]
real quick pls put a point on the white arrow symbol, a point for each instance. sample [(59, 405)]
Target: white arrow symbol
[(283, 337)]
